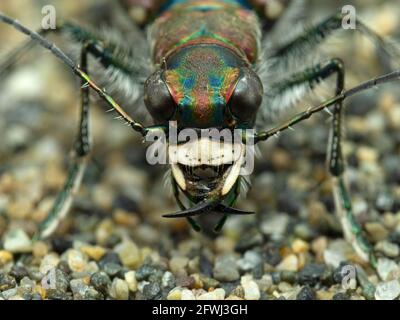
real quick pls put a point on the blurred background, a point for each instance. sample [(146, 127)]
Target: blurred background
[(122, 197)]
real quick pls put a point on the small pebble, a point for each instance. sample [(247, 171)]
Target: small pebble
[(119, 289), (100, 281), (17, 241), (389, 249), (217, 294), (306, 293), (251, 290), (387, 290), (187, 294), (225, 269), (388, 269), (289, 263), (130, 255), (300, 246), (377, 231), (94, 252), (130, 278), (5, 257), (77, 261), (178, 264), (151, 291)]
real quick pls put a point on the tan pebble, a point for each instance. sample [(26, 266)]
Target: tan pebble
[(103, 197), (389, 220), (94, 252), (377, 231), (324, 295), (104, 231), (366, 154), (289, 263), (178, 264), (76, 260), (5, 257), (125, 218), (175, 294), (7, 184), (198, 283), (40, 249), (394, 117), (280, 159), (300, 246), (54, 176), (119, 289), (129, 254), (19, 209), (224, 244), (319, 245), (130, 278)]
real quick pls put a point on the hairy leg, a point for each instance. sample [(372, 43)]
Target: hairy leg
[(81, 151), (352, 230)]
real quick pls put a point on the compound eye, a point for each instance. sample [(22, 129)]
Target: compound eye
[(157, 98), (247, 96)]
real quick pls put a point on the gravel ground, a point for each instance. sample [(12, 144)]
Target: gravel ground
[(114, 243)]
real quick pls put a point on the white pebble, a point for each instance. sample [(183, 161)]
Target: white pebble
[(250, 287), (387, 290)]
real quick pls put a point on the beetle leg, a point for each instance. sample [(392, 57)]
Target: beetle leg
[(87, 81), (306, 42), (81, 151), (352, 230)]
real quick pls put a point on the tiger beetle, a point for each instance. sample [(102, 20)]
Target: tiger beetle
[(213, 66)]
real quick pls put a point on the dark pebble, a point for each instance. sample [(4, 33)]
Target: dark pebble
[(60, 244), (64, 267), (123, 202), (149, 272), (100, 281), (394, 237), (311, 274), (276, 277), (110, 257), (289, 277), (18, 272), (272, 255), (306, 293), (249, 240), (287, 203), (152, 291), (111, 268), (7, 282), (206, 266), (341, 296), (62, 280)]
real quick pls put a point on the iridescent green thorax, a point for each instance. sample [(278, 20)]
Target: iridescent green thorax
[(202, 44), (201, 80), (191, 22)]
